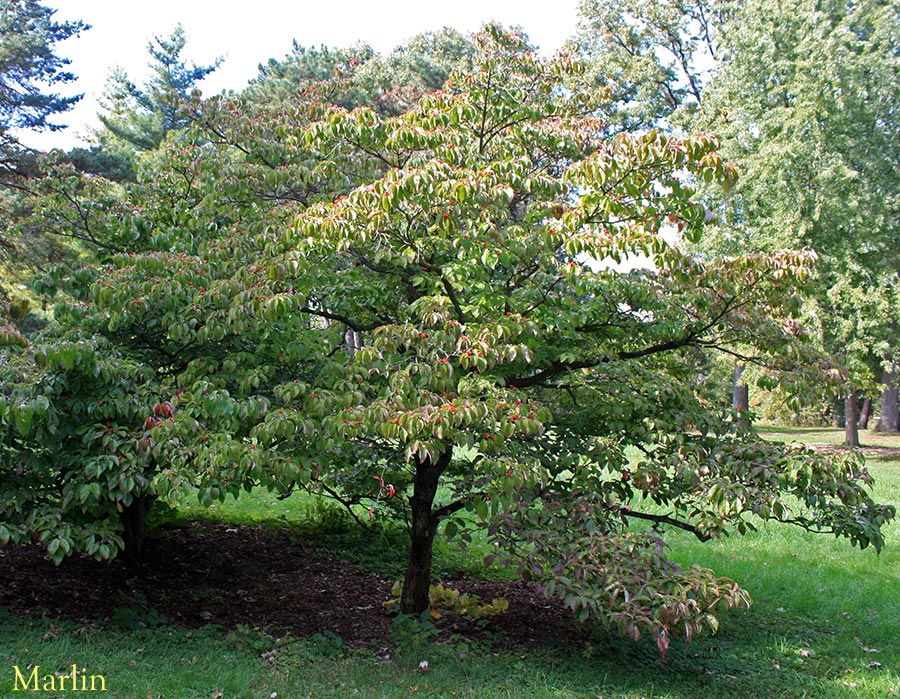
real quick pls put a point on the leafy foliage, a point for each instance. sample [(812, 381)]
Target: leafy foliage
[(30, 71), (75, 446), (653, 57), (445, 600), (27, 63), (138, 118), (804, 97), (358, 76)]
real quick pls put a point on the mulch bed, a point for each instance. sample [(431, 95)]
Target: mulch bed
[(231, 575)]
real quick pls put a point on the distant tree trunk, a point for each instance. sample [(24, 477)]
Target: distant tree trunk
[(134, 527), (417, 582), (740, 396), (837, 413), (890, 416), (865, 413), (353, 339), (851, 424)]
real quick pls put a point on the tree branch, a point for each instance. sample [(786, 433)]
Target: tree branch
[(454, 299), (347, 504), (665, 519), (450, 508), (341, 319)]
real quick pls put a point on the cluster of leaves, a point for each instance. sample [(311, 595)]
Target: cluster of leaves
[(75, 445), (445, 600)]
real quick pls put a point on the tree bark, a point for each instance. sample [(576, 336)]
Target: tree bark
[(417, 582), (890, 416), (837, 413), (865, 413), (134, 527), (740, 397), (851, 424), (353, 340)]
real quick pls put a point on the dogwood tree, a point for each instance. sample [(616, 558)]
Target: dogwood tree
[(432, 326)]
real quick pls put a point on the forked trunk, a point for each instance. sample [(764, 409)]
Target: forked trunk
[(851, 424), (417, 582), (865, 413)]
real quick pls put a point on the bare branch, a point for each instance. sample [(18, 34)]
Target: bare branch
[(665, 519)]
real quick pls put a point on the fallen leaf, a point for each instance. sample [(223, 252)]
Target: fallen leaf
[(866, 649)]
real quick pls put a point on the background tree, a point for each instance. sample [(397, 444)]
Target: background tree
[(306, 66), (653, 57), (804, 96), (358, 76), (30, 74), (29, 66), (139, 118), (62, 219)]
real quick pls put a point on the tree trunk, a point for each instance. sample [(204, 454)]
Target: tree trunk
[(740, 397), (134, 527), (890, 417), (837, 413), (353, 340), (865, 413), (851, 424), (417, 582)]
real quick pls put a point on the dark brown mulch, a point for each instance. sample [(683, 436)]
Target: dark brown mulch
[(233, 575)]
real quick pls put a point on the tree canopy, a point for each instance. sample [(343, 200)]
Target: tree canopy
[(358, 76), (31, 72), (140, 117), (805, 97), (654, 57), (29, 66)]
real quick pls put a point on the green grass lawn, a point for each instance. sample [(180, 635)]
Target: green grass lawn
[(824, 625)]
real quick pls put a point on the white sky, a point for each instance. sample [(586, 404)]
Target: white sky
[(251, 34)]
